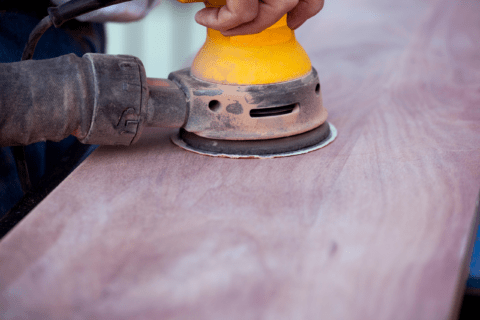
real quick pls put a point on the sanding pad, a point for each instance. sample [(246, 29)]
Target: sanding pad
[(257, 149), (253, 121)]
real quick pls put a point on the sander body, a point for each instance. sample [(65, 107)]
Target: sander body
[(252, 96), (248, 96)]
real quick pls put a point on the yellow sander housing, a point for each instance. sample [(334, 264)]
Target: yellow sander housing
[(252, 96)]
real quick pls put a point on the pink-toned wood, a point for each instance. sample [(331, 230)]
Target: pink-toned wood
[(375, 226)]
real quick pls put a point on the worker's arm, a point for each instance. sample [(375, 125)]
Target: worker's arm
[(253, 16), (101, 99)]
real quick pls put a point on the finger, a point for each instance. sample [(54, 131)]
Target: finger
[(231, 15), (269, 12), (303, 11)]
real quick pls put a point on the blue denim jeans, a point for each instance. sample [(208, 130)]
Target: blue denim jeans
[(73, 37)]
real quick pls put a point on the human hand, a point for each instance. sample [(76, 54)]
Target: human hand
[(240, 17)]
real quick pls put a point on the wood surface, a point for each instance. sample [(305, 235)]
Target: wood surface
[(378, 225)]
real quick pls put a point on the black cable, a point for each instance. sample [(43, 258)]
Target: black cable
[(19, 151), (35, 35), (57, 16), (61, 14), (75, 8), (22, 168)]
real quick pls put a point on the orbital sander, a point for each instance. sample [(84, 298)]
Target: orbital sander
[(247, 96), (252, 96)]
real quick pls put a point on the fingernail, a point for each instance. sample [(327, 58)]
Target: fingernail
[(293, 25), (229, 33), (198, 18)]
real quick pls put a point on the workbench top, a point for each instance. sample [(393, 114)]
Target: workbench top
[(377, 225)]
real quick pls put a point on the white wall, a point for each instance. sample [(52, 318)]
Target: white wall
[(166, 40)]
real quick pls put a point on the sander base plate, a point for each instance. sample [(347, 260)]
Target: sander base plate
[(257, 149)]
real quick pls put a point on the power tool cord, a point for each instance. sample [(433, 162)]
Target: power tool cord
[(19, 151), (57, 16), (35, 36), (61, 14)]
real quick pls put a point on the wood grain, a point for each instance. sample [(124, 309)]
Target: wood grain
[(378, 225)]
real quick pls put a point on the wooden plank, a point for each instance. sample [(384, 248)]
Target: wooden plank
[(375, 226)]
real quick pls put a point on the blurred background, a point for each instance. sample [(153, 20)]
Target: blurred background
[(166, 40)]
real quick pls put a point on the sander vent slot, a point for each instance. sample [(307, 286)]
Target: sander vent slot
[(274, 111)]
